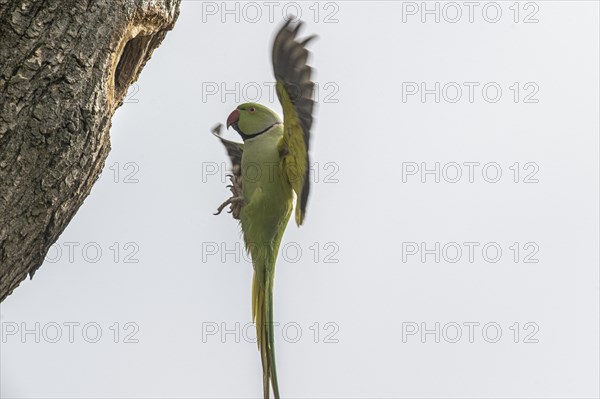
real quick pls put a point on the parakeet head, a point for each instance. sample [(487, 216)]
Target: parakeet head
[(252, 119)]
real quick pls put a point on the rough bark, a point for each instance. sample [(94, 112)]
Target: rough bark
[(65, 67)]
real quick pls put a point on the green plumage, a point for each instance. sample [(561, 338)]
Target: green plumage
[(269, 170), (264, 217)]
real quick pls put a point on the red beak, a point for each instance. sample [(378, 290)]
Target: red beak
[(233, 118)]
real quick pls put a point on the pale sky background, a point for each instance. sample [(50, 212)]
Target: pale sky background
[(350, 267)]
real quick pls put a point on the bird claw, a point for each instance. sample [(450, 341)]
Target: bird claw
[(236, 201)]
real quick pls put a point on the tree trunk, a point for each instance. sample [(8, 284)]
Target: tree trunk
[(65, 66)]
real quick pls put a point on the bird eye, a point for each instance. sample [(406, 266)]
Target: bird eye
[(251, 109)]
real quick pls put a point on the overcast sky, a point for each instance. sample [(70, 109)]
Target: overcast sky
[(455, 199)]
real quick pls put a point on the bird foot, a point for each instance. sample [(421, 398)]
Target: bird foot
[(236, 201)]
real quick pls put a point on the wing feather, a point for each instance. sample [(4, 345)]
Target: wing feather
[(234, 150), (295, 91)]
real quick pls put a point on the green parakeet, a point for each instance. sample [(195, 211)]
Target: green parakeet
[(269, 169)]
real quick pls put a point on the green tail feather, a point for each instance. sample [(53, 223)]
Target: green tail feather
[(263, 260), (271, 344), (262, 313)]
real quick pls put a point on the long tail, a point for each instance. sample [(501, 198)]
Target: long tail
[(262, 314)]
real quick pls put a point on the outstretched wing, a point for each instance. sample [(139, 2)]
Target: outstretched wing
[(295, 92), (234, 150)]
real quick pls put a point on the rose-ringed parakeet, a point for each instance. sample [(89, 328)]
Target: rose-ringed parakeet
[(269, 168)]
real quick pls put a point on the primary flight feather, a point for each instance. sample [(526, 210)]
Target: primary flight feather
[(269, 168)]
